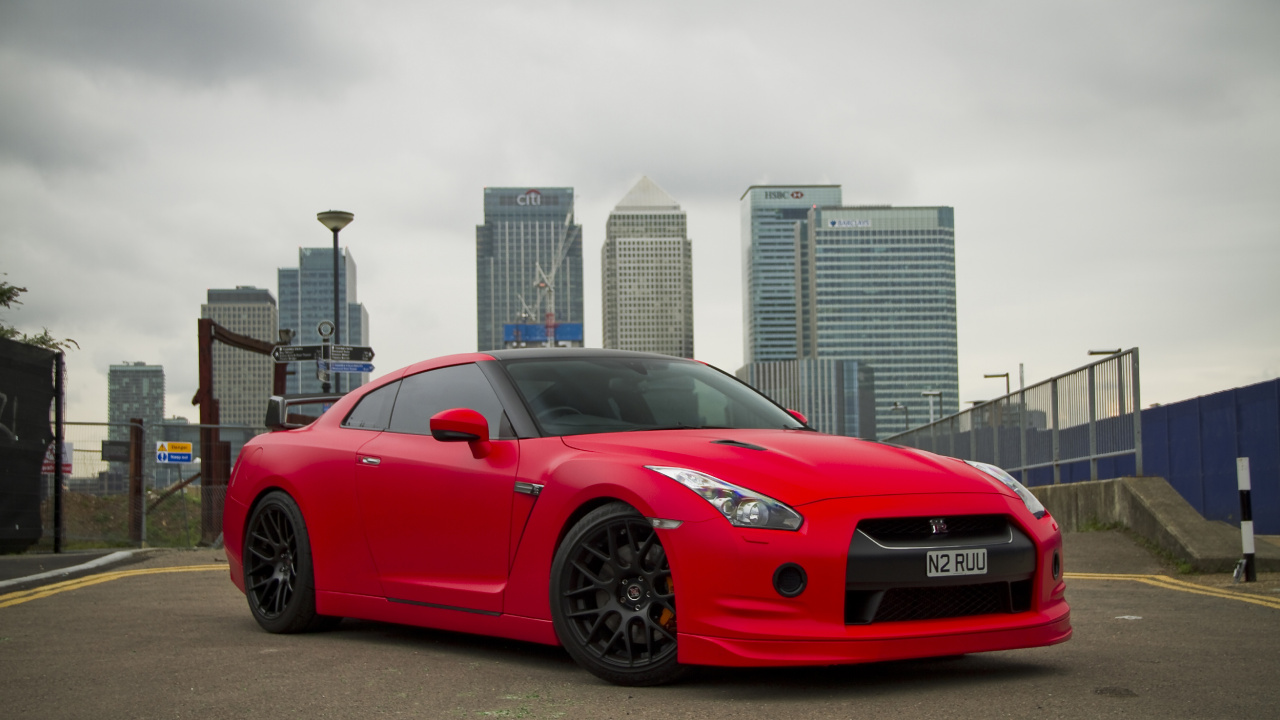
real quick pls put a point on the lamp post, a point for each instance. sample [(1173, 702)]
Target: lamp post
[(931, 394), (335, 220), (906, 415), (1004, 375)]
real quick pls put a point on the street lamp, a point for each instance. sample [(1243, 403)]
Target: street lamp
[(906, 415), (1004, 375), (335, 220), (931, 394)]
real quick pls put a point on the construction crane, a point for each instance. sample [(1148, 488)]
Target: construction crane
[(545, 282)]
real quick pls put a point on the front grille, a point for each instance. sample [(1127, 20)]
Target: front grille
[(931, 603), (914, 529)]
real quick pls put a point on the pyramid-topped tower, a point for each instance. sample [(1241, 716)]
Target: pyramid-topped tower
[(646, 196), (648, 274)]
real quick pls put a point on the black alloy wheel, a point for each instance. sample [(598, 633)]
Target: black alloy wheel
[(278, 577), (613, 598)]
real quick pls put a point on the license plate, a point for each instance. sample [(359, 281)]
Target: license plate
[(945, 563)]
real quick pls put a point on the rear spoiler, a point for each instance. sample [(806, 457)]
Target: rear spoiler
[(286, 412)]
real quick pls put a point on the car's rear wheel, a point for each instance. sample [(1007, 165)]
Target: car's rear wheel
[(278, 576), (613, 598)]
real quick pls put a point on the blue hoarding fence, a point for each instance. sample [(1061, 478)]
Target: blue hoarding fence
[(530, 334), (1194, 444)]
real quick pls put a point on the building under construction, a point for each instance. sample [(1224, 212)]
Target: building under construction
[(528, 269)]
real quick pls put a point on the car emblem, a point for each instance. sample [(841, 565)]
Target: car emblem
[(633, 593), (939, 526)]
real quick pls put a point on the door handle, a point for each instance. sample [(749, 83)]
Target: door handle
[(370, 460)]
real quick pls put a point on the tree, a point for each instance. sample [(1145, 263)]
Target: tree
[(8, 298)]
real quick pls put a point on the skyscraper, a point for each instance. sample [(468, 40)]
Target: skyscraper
[(134, 390), (528, 262), (769, 215), (306, 298), (878, 285), (648, 274), (242, 380)]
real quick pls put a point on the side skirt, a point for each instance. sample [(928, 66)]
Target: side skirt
[(366, 607)]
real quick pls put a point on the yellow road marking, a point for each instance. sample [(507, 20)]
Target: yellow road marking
[(1160, 581), (17, 598), (1168, 583)]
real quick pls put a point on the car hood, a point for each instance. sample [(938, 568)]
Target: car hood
[(794, 466)]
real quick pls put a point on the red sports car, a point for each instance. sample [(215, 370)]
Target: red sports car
[(646, 512)]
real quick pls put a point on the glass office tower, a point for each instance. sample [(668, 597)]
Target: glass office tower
[(878, 284), (648, 274), (306, 298), (528, 262), (769, 215)]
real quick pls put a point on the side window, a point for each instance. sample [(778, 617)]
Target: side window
[(457, 386), (373, 412)]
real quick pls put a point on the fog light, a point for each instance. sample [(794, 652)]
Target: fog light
[(789, 580)]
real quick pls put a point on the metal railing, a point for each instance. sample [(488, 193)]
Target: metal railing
[(1088, 414), (126, 503)]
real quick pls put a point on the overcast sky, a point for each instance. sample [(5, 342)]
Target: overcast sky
[(1114, 166)]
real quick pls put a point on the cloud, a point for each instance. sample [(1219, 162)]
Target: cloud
[(183, 41), (1097, 154)]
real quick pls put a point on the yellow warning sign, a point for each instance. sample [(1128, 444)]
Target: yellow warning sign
[(173, 452)]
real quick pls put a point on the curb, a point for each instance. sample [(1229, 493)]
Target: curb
[(114, 557)]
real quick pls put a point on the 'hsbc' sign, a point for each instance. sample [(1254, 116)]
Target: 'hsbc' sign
[(531, 197), (783, 194)]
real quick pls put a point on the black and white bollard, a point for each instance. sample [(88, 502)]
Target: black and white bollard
[(1246, 568)]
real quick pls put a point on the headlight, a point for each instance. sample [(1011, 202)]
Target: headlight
[(1032, 503), (740, 506)]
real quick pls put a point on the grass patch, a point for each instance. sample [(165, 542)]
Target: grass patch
[(102, 521), (1095, 525)]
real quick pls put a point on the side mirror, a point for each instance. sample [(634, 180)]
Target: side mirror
[(462, 425), (799, 416)]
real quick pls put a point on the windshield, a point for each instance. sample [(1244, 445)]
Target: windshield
[(573, 396)]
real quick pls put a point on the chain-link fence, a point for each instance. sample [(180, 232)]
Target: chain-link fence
[(1076, 426), (126, 489)]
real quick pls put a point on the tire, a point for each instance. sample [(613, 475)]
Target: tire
[(279, 581), (613, 598)]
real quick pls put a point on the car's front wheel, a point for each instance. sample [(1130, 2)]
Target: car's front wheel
[(613, 598), (278, 576)]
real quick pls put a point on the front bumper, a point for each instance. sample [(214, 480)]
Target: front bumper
[(731, 613), (735, 652)]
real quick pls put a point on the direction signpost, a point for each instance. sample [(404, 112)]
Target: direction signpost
[(340, 366), (295, 353), (351, 353), (329, 358), (341, 353)]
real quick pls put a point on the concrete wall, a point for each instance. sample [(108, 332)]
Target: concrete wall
[(1155, 511)]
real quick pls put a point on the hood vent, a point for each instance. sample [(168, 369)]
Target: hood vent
[(737, 443)]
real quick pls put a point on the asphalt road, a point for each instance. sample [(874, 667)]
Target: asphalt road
[(147, 640)]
